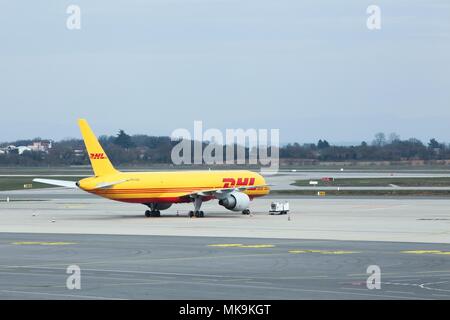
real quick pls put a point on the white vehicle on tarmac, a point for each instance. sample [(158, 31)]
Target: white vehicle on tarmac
[(279, 207)]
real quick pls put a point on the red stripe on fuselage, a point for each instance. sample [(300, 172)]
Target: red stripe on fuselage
[(159, 199), (141, 190), (157, 190), (166, 199)]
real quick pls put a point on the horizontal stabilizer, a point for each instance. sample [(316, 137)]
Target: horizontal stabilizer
[(104, 185), (60, 183)]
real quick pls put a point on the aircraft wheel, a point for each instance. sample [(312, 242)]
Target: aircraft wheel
[(149, 213), (199, 214), (191, 214), (156, 213), (246, 212)]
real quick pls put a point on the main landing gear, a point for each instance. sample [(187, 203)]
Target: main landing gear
[(197, 205), (198, 214), (153, 212)]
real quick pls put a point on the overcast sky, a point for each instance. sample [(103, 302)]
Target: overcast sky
[(310, 68)]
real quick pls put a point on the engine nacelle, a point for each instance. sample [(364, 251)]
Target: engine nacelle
[(235, 201)]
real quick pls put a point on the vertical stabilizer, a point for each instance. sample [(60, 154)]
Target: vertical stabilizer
[(99, 160)]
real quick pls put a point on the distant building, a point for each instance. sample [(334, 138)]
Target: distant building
[(43, 145), (38, 146), (11, 149), (14, 149), (78, 153), (22, 149)]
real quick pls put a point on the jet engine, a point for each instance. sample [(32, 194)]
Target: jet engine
[(235, 201)]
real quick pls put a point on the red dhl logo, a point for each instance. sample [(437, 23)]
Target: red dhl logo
[(97, 156), (231, 182)]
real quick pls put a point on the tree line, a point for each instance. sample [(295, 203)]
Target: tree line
[(124, 149)]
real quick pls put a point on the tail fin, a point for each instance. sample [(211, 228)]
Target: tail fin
[(99, 161)]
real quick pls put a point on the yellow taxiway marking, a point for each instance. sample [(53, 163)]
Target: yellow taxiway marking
[(240, 245), (258, 246), (427, 252), (225, 245), (42, 243), (323, 251)]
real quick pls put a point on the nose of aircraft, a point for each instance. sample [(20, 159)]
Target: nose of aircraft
[(263, 181)]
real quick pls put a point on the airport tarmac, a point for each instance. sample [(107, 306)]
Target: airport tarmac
[(321, 250), (321, 218), (284, 180), (33, 266)]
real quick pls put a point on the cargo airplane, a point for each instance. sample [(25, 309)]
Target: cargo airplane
[(159, 190)]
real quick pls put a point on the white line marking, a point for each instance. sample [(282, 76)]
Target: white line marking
[(60, 295)]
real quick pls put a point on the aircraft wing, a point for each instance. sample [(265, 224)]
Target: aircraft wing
[(221, 191), (59, 183)]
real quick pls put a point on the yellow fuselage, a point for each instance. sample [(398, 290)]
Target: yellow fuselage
[(171, 186)]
